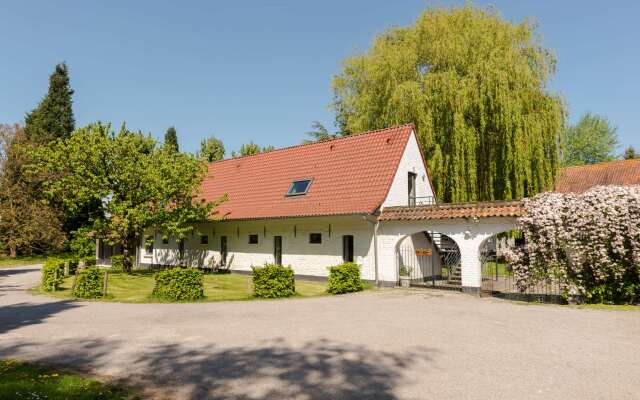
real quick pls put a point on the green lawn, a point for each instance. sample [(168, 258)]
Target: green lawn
[(489, 269), (137, 287), (28, 381), (6, 262)]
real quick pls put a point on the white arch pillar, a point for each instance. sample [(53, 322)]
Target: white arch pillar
[(469, 234)]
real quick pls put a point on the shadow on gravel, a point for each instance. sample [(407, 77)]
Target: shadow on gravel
[(272, 370), (5, 272), (14, 316)]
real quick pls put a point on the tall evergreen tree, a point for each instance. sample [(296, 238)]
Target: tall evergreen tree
[(53, 117), (476, 87), (171, 138)]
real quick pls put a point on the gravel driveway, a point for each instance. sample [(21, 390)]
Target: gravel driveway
[(390, 344)]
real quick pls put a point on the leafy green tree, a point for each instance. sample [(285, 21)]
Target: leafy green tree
[(140, 185), (630, 153), (593, 139), (319, 133), (53, 117), (475, 86), (28, 224), (211, 149), (171, 139), (250, 149)]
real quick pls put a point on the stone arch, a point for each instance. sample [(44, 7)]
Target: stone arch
[(428, 259)]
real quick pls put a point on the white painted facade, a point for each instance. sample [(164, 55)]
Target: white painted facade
[(411, 161), (468, 234), (305, 258)]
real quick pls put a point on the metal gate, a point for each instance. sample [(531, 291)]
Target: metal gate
[(434, 263), (498, 279)]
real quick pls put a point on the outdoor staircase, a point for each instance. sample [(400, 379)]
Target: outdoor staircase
[(449, 254)]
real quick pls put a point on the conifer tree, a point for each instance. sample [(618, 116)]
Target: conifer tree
[(171, 138), (53, 117)]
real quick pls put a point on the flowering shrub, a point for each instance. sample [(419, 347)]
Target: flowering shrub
[(588, 242)]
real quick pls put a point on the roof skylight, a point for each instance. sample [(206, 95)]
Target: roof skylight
[(299, 188)]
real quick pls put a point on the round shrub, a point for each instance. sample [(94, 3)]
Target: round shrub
[(89, 283), (52, 274), (345, 278), (117, 262), (179, 284), (273, 281)]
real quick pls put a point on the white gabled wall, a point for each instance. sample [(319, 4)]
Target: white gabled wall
[(305, 258), (411, 161)]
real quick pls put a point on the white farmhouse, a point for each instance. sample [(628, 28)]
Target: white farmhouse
[(365, 198)]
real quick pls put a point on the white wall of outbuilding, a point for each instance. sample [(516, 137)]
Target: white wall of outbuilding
[(468, 233)]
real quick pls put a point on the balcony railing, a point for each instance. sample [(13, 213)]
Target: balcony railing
[(422, 201)]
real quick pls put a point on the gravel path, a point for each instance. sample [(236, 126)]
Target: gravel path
[(391, 344)]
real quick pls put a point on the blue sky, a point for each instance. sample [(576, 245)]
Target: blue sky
[(261, 70)]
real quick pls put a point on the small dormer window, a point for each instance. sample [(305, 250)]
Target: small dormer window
[(298, 188)]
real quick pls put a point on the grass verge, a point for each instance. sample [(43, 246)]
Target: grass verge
[(19, 380), (137, 288), (7, 262)]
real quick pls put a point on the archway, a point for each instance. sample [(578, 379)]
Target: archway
[(429, 259), (497, 273)]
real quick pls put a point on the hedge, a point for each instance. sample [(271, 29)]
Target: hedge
[(344, 278), (89, 283), (179, 284), (52, 274), (89, 261), (273, 281), (117, 262)]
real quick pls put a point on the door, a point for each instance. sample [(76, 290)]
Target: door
[(277, 250), (223, 250), (347, 248), (412, 189)]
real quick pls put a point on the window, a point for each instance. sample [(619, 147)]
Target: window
[(298, 188), (412, 189), (204, 239), (347, 248), (253, 239), (315, 238)]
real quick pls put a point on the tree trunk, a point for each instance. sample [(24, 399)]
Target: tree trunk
[(127, 265), (13, 252)]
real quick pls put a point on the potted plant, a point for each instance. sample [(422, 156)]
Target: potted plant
[(405, 279)]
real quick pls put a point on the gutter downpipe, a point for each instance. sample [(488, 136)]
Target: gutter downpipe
[(375, 224)]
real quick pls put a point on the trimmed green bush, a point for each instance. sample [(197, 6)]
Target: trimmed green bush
[(52, 274), (117, 262), (273, 281), (179, 284), (344, 278), (89, 261), (89, 283)]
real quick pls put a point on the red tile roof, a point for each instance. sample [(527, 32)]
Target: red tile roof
[(581, 178), (351, 175), (453, 210)]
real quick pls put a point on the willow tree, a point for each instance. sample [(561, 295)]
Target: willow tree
[(476, 88)]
